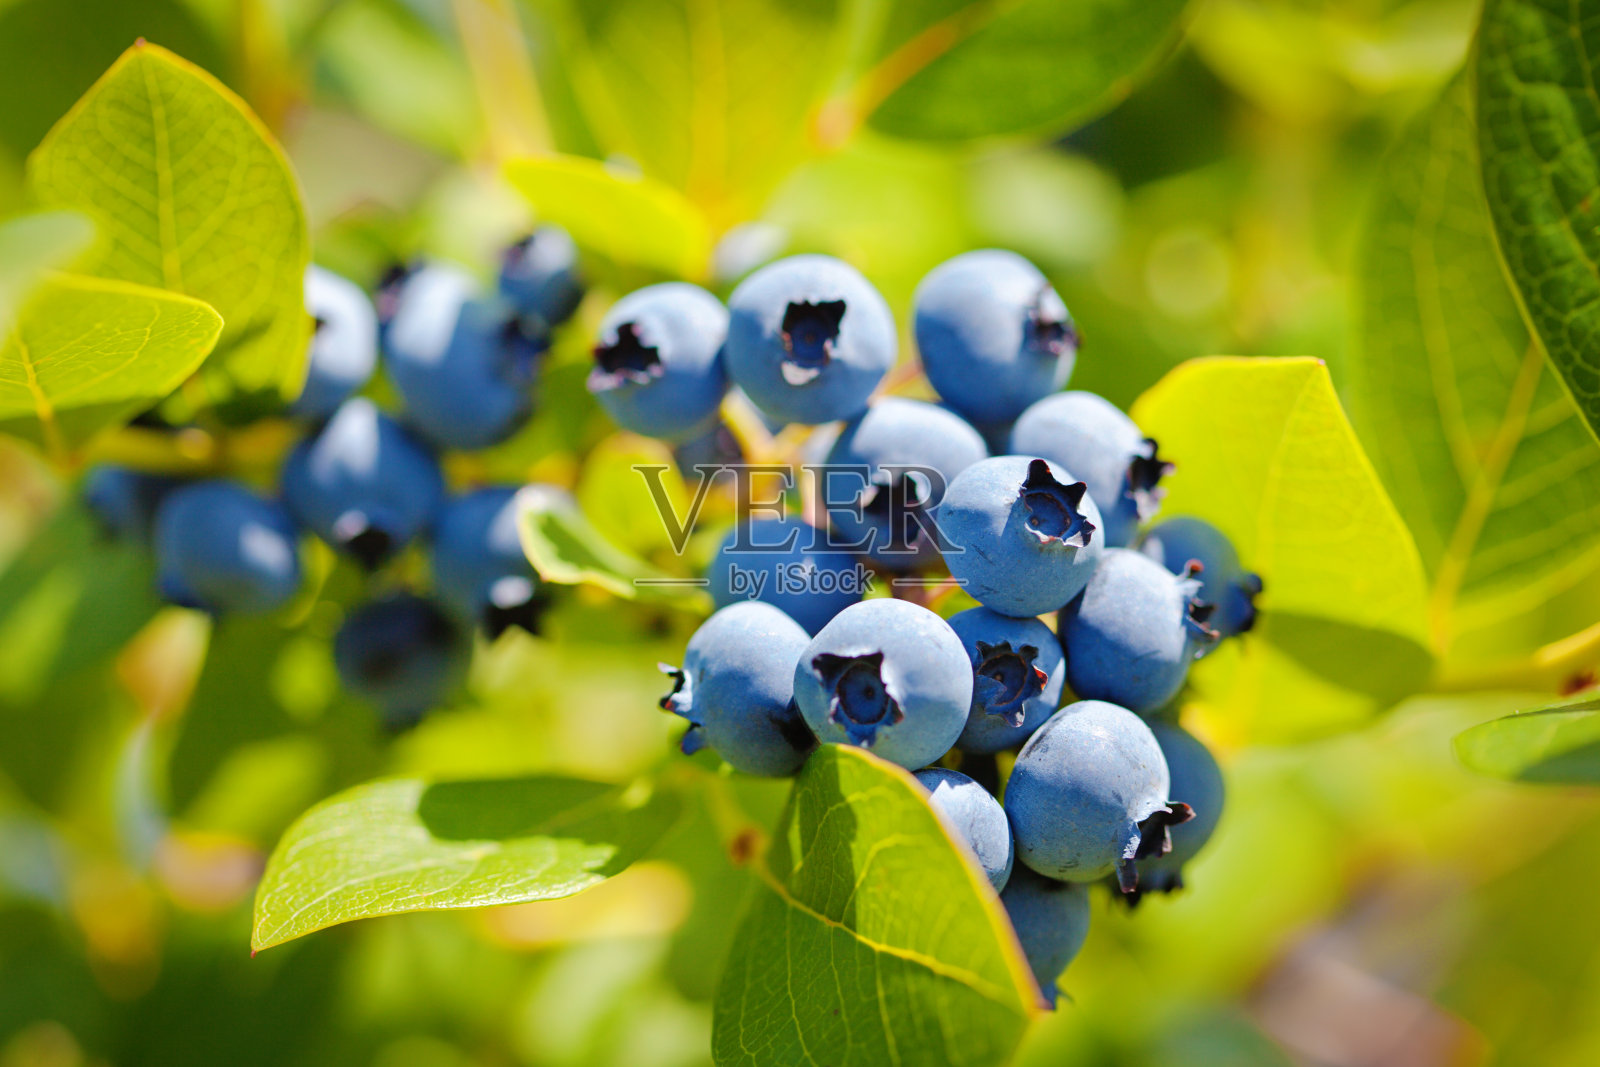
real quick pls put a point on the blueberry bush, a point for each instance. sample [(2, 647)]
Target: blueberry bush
[(844, 533)]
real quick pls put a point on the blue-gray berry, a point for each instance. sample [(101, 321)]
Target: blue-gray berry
[(974, 817)]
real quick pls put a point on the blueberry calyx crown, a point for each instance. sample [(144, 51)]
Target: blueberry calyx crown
[(522, 342), (861, 702), (1197, 613), (626, 359), (1145, 472), (370, 544), (1154, 839), (1249, 587), (1045, 331), (1007, 679), (681, 702), (1053, 513), (810, 329), (513, 601)]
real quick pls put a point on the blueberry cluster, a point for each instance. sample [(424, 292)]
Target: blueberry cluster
[(463, 362), (1057, 691)]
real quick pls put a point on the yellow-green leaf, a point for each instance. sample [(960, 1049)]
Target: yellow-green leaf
[(190, 194), (630, 219), (567, 549), (872, 939), (404, 845), (86, 353), (1264, 452), (1559, 744)]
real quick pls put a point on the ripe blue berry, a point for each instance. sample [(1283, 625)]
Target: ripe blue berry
[(539, 276), (124, 501), (736, 689), (974, 817), (464, 365), (344, 347), (993, 335), (363, 484), (401, 653), (784, 562), (222, 548), (1051, 919), (658, 362), (1132, 634), (809, 339), (1091, 438), (1197, 779), (1223, 582), (887, 675), (1089, 795), (1017, 678), (1024, 537), (908, 452), (479, 569)]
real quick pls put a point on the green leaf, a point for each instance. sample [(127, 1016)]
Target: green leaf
[(629, 219), (872, 938), (1481, 448), (1557, 745), (566, 548), (1539, 143), (190, 194), (711, 97), (954, 69), (1265, 453), (31, 245), (404, 845), (86, 353)]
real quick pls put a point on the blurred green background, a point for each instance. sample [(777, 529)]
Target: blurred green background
[(1367, 902)]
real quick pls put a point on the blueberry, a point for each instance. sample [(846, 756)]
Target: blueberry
[(1131, 635), (539, 276), (344, 346), (784, 562), (1223, 582), (809, 339), (363, 484), (974, 817), (479, 569), (1023, 535), (887, 675), (1197, 779), (658, 362), (1017, 681), (1051, 919), (891, 438), (124, 501), (401, 653), (994, 337), (221, 548), (736, 689), (463, 364), (1091, 438), (1089, 795)]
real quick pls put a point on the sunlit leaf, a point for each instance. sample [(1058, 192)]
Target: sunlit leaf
[(953, 69), (1265, 453), (632, 220), (711, 97), (871, 939), (566, 548), (1559, 744), (1539, 144), (405, 845), (1479, 445), (190, 194), (85, 353)]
